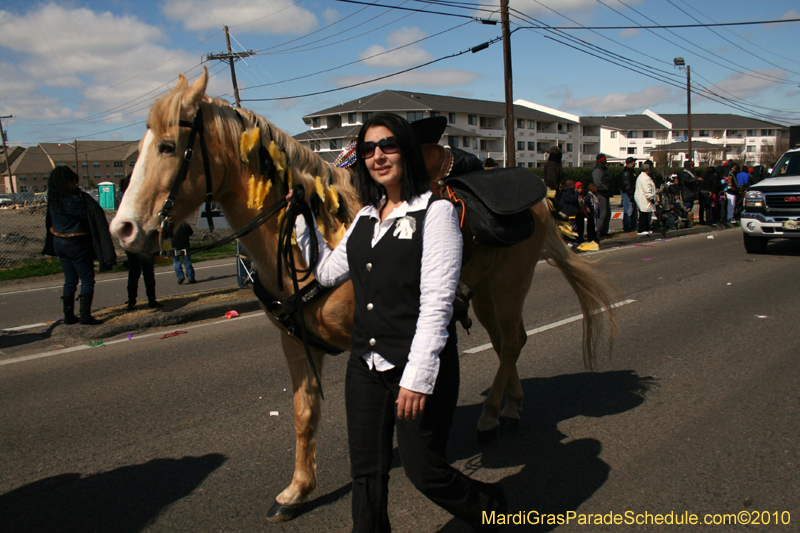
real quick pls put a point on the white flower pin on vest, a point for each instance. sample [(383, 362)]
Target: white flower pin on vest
[(405, 227)]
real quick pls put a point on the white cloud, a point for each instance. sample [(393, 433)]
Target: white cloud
[(630, 32), (427, 79), (70, 63), (745, 86), (616, 103), (330, 15), (791, 14), (405, 57), (265, 16)]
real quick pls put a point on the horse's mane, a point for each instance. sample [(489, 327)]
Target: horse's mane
[(306, 166)]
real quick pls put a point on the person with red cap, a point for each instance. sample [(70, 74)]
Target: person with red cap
[(602, 179)]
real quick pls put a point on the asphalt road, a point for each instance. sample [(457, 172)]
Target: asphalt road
[(696, 412)]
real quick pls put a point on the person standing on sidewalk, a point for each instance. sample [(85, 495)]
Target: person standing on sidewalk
[(705, 186), (180, 241), (554, 176), (630, 214), (645, 198), (688, 183), (77, 233), (139, 266), (602, 179)]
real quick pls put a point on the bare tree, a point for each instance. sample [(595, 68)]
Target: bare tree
[(772, 151)]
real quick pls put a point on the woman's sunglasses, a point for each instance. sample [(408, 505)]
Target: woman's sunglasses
[(388, 146)]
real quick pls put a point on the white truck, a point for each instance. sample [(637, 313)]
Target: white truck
[(772, 207)]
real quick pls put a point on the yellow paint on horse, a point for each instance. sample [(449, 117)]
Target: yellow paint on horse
[(247, 142)]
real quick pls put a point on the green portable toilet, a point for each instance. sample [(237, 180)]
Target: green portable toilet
[(107, 195)]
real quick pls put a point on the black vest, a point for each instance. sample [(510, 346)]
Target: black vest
[(386, 281)]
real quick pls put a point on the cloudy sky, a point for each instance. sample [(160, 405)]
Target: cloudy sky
[(91, 69)]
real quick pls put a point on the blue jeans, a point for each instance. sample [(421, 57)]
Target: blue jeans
[(630, 214), (187, 262), (77, 261)]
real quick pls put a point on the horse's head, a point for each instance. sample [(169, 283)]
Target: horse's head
[(161, 152)]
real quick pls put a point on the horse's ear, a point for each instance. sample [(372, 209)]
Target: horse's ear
[(194, 95), (182, 83)]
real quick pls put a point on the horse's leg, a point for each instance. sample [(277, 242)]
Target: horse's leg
[(306, 417), (505, 327)]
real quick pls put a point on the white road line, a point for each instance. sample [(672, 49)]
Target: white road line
[(135, 337), (23, 328), (529, 333), (108, 280)]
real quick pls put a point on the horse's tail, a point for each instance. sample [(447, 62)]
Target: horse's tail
[(594, 290)]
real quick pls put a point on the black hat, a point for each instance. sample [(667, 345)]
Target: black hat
[(630, 160), (600, 157), (430, 130)]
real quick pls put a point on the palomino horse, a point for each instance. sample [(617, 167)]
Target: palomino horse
[(237, 143)]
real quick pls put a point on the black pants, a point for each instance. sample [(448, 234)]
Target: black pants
[(140, 265), (371, 420), (603, 215)]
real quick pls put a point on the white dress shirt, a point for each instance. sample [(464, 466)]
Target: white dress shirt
[(440, 270)]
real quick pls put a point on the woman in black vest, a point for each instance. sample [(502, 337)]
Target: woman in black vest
[(403, 253)]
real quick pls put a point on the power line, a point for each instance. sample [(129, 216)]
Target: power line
[(474, 49)]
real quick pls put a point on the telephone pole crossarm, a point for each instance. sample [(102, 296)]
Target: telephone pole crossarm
[(225, 56)]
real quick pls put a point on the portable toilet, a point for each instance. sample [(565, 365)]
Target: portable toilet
[(107, 195)]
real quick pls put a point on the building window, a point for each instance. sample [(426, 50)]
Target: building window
[(647, 134), (613, 134), (131, 163), (520, 145), (451, 118), (452, 140), (335, 144), (97, 176), (435, 114), (569, 128), (23, 177), (365, 116), (484, 145), (485, 123), (751, 149), (531, 146), (767, 133), (531, 165), (85, 176), (632, 151), (569, 147), (474, 144), (466, 142), (633, 134), (703, 133), (560, 127), (521, 123), (351, 118), (119, 175), (96, 164), (521, 165), (315, 122), (414, 115), (84, 164), (472, 120), (23, 188), (752, 133), (119, 164)]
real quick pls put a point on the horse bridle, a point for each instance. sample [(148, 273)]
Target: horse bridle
[(297, 207)]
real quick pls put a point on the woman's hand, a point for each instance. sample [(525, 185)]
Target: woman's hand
[(410, 404)]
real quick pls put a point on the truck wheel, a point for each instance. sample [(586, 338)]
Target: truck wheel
[(755, 245)]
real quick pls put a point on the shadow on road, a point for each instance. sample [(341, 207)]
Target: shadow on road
[(13, 339), (556, 476), (123, 500)]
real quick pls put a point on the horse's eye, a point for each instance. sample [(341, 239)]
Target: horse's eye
[(166, 147)]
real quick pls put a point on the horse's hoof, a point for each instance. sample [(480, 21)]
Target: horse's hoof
[(485, 437), (508, 423), (283, 513)]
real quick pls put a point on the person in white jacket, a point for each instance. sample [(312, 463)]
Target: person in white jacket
[(645, 198)]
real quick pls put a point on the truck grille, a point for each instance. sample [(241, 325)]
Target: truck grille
[(783, 201)]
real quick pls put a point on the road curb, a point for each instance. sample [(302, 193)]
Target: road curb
[(633, 238)]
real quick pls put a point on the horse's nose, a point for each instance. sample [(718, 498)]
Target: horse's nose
[(124, 230)]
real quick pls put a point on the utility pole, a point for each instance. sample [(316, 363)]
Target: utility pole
[(511, 154), (681, 64), (230, 57), (5, 151)]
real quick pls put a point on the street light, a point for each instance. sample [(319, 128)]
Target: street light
[(681, 64)]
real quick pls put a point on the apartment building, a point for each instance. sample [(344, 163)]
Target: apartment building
[(476, 126), (93, 161)]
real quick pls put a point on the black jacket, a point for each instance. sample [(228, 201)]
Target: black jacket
[(628, 181), (688, 186), (554, 176), (570, 203), (102, 244), (602, 179)]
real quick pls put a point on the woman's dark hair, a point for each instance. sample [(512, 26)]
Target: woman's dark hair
[(58, 186), (415, 179)]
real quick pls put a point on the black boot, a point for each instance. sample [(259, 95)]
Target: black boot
[(152, 303), (86, 311), (69, 309), (131, 305)]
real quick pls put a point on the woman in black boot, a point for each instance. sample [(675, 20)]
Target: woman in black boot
[(75, 225)]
